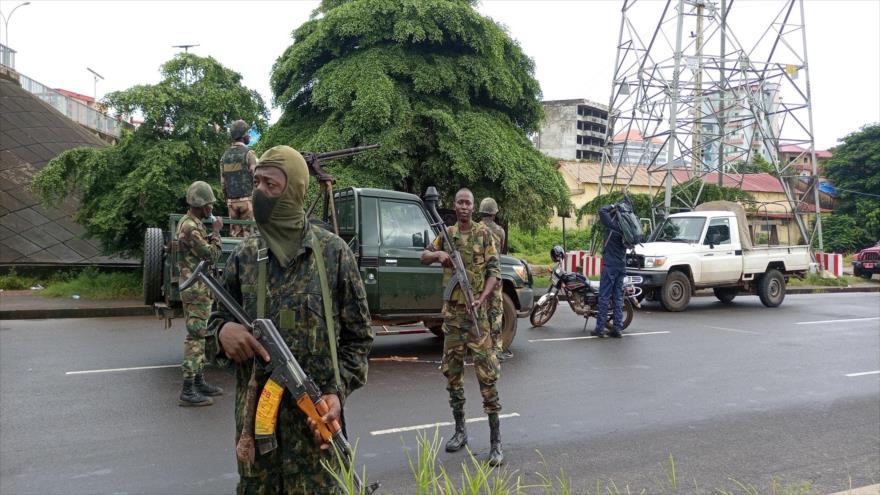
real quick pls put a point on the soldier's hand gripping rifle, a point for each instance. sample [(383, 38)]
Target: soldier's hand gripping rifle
[(286, 374), (459, 276), (325, 180)]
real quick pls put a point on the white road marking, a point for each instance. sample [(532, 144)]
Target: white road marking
[(592, 337), (733, 330), (837, 321), (112, 370), (863, 373), (434, 425)]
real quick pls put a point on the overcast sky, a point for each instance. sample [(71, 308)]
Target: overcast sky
[(572, 43)]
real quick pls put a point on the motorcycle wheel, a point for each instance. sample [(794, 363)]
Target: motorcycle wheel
[(541, 313), (628, 313)]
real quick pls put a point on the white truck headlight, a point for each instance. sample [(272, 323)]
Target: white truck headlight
[(654, 261), (520, 271)]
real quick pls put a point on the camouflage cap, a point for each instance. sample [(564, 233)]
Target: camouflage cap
[(489, 206), (238, 129), (199, 193)]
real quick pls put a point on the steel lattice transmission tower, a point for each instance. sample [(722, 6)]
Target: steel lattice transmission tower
[(693, 96)]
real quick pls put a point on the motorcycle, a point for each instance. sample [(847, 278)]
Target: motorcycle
[(582, 295)]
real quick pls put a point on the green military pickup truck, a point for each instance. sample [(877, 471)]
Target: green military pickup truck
[(387, 231)]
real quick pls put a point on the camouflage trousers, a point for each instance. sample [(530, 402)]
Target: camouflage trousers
[(496, 312), (294, 467), (196, 309), (456, 343), (240, 209)]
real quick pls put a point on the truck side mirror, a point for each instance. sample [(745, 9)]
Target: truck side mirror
[(418, 240)]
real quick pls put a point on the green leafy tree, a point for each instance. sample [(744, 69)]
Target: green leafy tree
[(137, 182), (447, 93), (711, 192), (855, 170), (841, 233), (757, 165)]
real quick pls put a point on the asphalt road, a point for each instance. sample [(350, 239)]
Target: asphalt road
[(732, 394)]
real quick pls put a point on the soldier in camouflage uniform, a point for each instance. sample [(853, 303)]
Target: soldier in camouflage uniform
[(194, 245), (293, 301), (236, 176), (476, 246), (488, 210)]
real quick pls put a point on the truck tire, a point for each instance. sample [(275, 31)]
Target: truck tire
[(436, 327), (508, 321), (628, 313), (676, 292), (725, 294), (771, 288), (154, 249)]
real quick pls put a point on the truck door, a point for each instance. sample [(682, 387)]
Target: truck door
[(719, 260), (405, 285)]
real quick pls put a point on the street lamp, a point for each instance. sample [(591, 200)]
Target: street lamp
[(7, 18)]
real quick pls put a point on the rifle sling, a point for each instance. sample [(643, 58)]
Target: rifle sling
[(328, 316)]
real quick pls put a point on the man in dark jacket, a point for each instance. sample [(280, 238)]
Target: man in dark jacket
[(613, 271)]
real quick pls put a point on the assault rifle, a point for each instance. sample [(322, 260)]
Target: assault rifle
[(286, 374), (325, 180), (459, 276)]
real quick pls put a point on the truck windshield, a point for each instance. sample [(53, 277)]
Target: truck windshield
[(681, 229)]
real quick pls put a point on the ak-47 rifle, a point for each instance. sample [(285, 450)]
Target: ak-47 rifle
[(459, 276), (286, 374), (325, 180)]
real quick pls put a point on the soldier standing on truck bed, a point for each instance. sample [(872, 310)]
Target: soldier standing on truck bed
[(488, 211), (237, 177), (475, 244), (195, 245)]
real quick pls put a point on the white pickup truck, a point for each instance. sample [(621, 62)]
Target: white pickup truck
[(711, 248)]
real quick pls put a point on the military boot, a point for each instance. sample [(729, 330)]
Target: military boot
[(190, 396), (459, 439), (205, 388), (496, 457)]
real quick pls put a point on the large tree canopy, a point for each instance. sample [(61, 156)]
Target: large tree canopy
[(137, 182), (446, 92), (855, 169)]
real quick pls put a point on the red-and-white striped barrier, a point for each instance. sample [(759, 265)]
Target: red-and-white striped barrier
[(581, 261), (832, 262)]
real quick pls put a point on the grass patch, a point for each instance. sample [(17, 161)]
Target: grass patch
[(94, 284), (535, 246), (476, 477), (14, 281), (817, 280)]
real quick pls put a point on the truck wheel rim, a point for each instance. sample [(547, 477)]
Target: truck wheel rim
[(774, 289), (676, 291)]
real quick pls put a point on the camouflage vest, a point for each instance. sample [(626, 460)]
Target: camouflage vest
[(237, 179)]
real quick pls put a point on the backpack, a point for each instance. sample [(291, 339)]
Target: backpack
[(630, 227)]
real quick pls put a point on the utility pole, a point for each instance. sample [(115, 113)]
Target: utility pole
[(673, 109), (185, 47), (96, 76)]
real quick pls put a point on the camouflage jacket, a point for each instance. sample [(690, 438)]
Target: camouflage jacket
[(236, 171), (295, 305), (194, 244), (478, 253), (497, 232)]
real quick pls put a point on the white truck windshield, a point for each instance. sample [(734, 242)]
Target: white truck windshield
[(681, 229)]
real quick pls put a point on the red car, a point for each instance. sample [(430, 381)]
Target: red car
[(867, 261)]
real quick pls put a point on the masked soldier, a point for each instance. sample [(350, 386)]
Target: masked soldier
[(476, 246), (194, 245), (236, 176), (488, 211), (275, 274)]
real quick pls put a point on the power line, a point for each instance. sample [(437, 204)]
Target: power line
[(857, 192)]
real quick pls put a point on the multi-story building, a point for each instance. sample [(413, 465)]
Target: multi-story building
[(573, 129), (740, 112), (631, 148)]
